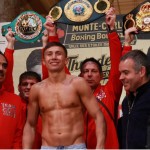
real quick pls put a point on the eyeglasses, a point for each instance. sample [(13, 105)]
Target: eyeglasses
[(4, 65)]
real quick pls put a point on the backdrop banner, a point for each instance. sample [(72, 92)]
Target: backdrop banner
[(82, 41)]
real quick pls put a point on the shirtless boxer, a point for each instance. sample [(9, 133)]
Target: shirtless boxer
[(60, 100)]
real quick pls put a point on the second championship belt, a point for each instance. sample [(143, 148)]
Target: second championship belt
[(139, 18), (78, 12), (28, 27)]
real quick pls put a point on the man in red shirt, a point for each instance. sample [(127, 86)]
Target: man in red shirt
[(108, 95), (11, 112), (26, 80)]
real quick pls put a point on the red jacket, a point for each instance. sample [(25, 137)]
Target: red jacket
[(8, 85), (11, 120)]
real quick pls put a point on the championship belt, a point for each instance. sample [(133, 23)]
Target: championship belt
[(28, 27), (78, 12), (139, 18)]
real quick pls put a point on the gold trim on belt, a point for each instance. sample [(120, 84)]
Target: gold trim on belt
[(101, 6), (142, 19)]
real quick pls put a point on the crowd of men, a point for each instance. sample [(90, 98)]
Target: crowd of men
[(63, 111)]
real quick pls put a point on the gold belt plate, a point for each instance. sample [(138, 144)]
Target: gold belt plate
[(78, 10)]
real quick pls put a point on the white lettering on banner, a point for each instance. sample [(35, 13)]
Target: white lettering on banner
[(104, 26), (102, 36), (89, 37), (75, 37), (73, 46), (87, 45), (88, 27), (95, 27), (74, 64)]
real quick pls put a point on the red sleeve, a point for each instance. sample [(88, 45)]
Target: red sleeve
[(8, 83), (115, 55), (53, 39), (44, 69), (126, 49), (17, 143)]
